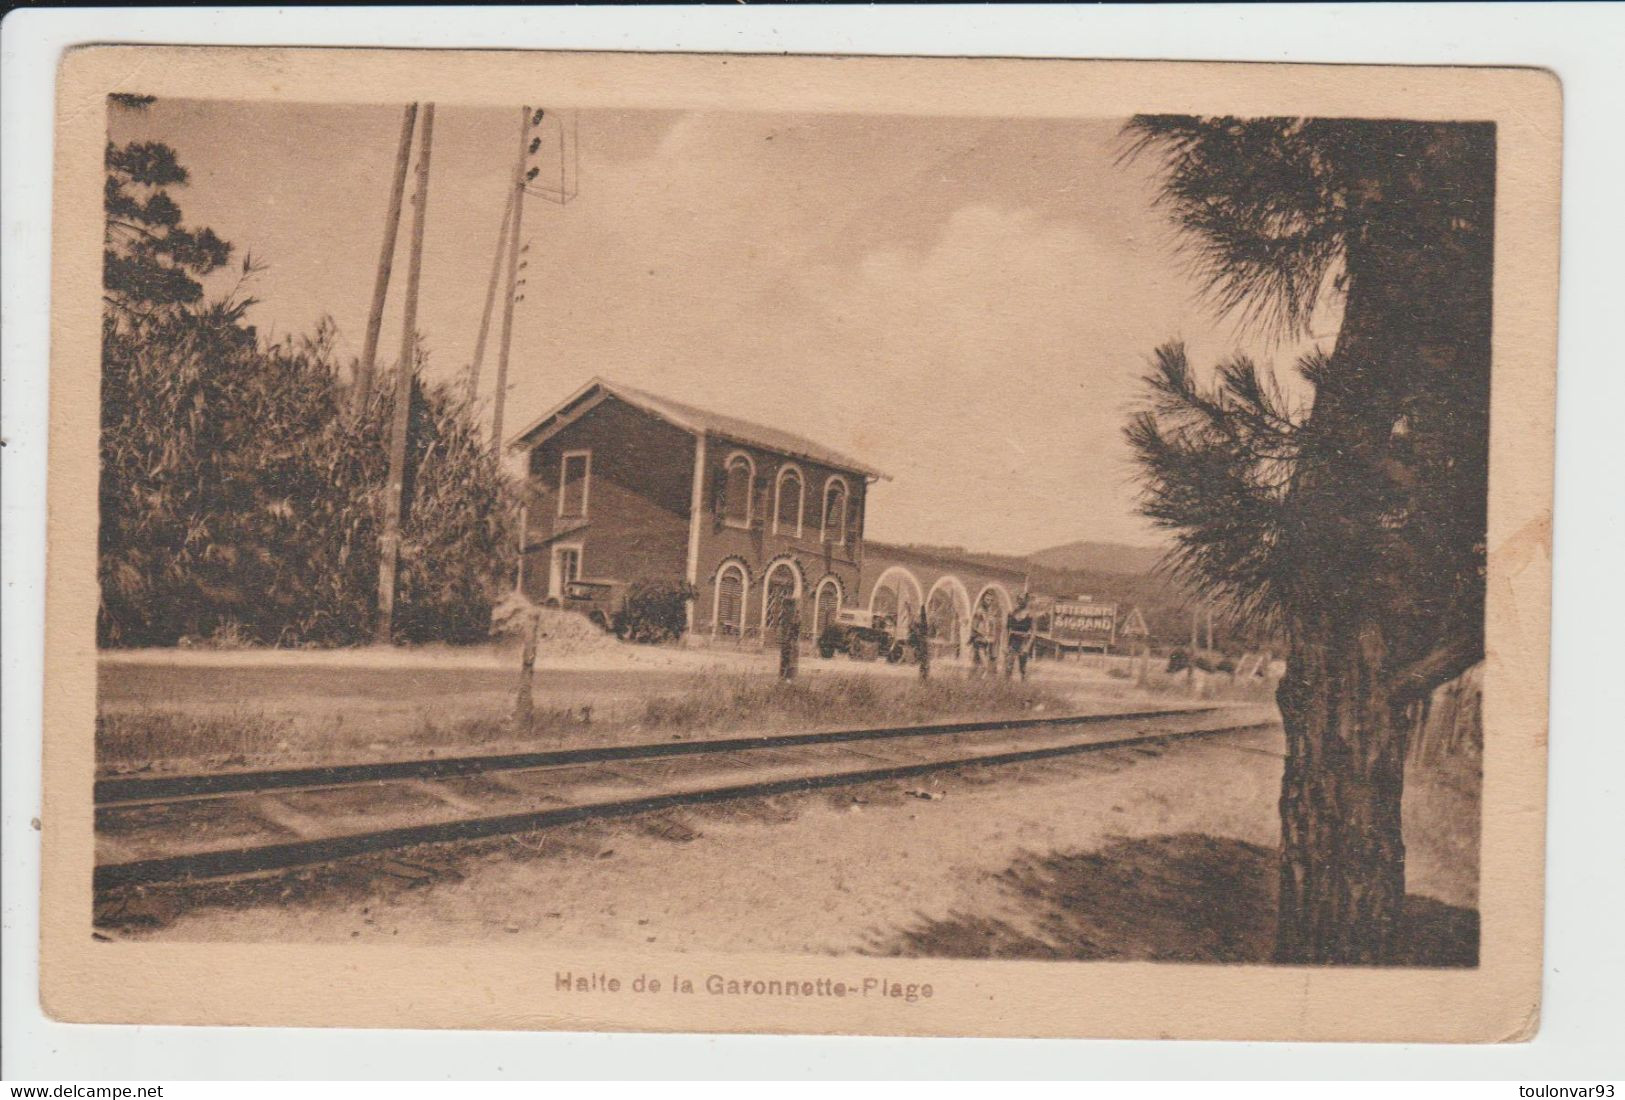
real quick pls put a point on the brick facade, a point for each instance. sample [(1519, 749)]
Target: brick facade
[(639, 481), (821, 567)]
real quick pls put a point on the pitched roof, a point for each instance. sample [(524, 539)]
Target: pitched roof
[(693, 419)]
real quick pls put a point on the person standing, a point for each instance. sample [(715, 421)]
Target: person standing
[(1018, 628), (919, 636), (981, 641)]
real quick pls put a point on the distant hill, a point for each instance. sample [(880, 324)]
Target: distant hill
[(1098, 557)]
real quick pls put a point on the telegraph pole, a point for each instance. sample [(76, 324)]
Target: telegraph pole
[(1190, 667), (513, 283), (490, 296), (386, 260), (389, 543)]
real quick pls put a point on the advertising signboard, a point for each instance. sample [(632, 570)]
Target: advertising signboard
[(1079, 624)]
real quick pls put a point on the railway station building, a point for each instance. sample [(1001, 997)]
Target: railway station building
[(626, 486)]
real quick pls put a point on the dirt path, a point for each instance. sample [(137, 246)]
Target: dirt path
[(1135, 853)]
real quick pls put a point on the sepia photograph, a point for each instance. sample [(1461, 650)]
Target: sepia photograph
[(792, 548)]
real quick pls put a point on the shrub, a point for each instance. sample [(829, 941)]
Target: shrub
[(654, 611), (240, 499), (1207, 661)]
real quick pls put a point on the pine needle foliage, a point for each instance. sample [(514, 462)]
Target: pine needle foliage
[(149, 259), (1279, 216), (1270, 206), (1216, 465)]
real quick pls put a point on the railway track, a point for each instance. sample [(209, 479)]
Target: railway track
[(169, 828)]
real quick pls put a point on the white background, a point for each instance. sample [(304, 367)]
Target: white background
[(1584, 994)]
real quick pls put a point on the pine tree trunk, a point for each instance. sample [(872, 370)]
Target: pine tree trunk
[(1342, 855), (1342, 865), (1389, 499)]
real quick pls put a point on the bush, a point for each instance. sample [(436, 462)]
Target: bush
[(1207, 661), (242, 501), (654, 611)]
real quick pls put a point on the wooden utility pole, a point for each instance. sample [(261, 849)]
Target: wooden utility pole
[(524, 710), (1190, 667), (789, 637), (389, 543), (386, 260), (922, 643), (490, 298), (513, 281)]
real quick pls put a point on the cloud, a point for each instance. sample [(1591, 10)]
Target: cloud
[(992, 371)]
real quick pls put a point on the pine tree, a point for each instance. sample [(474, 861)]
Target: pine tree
[(1356, 526), (149, 259)]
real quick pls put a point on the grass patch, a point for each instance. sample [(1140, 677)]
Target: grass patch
[(715, 702), (711, 703), (138, 738)]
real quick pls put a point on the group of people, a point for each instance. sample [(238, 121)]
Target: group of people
[(1018, 640)]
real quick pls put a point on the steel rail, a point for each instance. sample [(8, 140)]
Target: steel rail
[(124, 791), (274, 857)]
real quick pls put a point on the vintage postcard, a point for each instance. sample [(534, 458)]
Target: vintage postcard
[(794, 544)]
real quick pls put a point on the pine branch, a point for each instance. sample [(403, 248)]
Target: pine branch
[(1217, 464), (1418, 679), (1254, 199)]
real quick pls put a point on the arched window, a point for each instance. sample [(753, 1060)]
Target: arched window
[(736, 493), (883, 604), (942, 617), (896, 595), (835, 505), (948, 613), (788, 503), (826, 602), (782, 584), (729, 614)]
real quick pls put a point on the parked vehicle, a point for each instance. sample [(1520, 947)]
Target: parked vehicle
[(597, 600), (863, 637)]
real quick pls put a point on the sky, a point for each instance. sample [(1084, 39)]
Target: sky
[(966, 304)]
